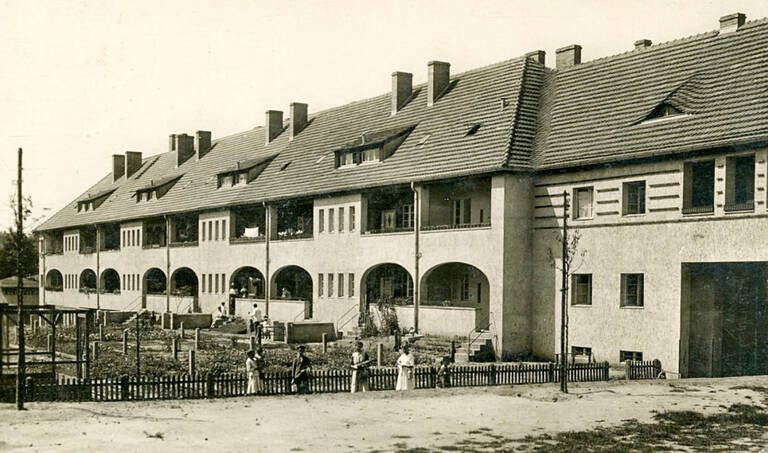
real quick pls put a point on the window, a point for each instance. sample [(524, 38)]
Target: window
[(216, 229), (581, 289), (320, 285), (351, 218), (699, 187), (223, 283), (465, 287), (223, 230), (341, 220), (202, 238), (630, 355), (330, 222), (210, 230), (210, 283), (740, 183), (582, 208), (634, 197), (482, 216), (371, 155), (408, 216), (341, 285), (330, 285), (462, 211), (351, 291), (581, 350), (321, 220), (124, 282), (631, 290)]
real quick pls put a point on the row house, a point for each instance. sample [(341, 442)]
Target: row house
[(447, 200)]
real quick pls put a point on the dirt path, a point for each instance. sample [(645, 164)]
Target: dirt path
[(379, 421)]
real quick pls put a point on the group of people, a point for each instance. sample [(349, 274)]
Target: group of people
[(360, 364)]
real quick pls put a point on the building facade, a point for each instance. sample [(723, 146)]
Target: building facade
[(450, 197)]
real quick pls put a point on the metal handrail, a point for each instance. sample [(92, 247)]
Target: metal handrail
[(459, 226), (351, 309), (300, 314), (471, 341)]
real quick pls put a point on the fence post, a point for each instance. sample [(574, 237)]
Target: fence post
[(95, 350), (50, 342), (493, 374), (171, 320), (197, 338), (191, 362), (181, 329), (379, 354), (175, 348), (656, 368), (30, 387), (124, 388), (101, 332), (325, 343), (551, 372), (628, 369), (453, 351), (432, 377), (253, 343), (210, 384), (125, 341)]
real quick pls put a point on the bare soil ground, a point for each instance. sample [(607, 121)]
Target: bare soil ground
[(689, 415)]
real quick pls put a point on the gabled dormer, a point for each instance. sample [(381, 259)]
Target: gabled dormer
[(687, 99), (372, 147)]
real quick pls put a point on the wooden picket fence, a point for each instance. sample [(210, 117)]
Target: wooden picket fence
[(279, 383), (643, 370)]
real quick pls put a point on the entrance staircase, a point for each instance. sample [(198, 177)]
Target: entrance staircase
[(479, 348)]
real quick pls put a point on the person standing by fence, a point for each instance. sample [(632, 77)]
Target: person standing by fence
[(360, 373), (300, 368), (251, 367), (405, 370)]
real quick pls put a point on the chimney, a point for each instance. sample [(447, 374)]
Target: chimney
[(118, 166), (439, 76), (537, 55), (732, 22), (185, 148), (132, 162), (568, 56), (202, 143), (298, 119), (402, 86), (642, 44), (172, 142), (273, 125)]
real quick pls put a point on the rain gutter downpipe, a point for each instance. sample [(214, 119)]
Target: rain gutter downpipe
[(417, 255)]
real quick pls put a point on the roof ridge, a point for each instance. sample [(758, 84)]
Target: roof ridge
[(661, 45)]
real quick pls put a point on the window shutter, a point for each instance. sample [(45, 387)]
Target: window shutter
[(337, 160), (623, 290), (640, 290)]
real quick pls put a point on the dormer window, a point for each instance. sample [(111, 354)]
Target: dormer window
[(93, 201), (372, 147), (243, 172), (664, 110), (156, 188)]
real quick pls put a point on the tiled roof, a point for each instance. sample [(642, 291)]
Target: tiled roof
[(438, 147), (721, 81)]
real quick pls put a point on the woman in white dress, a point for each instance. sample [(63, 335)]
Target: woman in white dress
[(405, 370), (254, 378)]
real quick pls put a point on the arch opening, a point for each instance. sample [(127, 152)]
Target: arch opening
[(184, 282), (293, 283), (54, 281), (458, 285), (110, 281), (154, 281), (248, 282), (87, 281), (388, 282)]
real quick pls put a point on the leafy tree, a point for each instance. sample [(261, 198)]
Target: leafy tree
[(9, 246)]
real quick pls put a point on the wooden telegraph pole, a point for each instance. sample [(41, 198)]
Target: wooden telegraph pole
[(21, 371), (564, 302)]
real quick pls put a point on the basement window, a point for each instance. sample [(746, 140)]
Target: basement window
[(635, 356)]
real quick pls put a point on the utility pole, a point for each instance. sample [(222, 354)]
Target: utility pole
[(138, 368), (564, 302), (416, 256), (21, 371)]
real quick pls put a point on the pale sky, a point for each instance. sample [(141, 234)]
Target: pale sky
[(82, 80)]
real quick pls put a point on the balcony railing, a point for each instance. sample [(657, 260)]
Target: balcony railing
[(57, 289), (54, 252), (114, 248), (184, 244), (699, 209), (390, 230), (734, 207), (460, 226), (152, 246), (286, 235), (247, 239)]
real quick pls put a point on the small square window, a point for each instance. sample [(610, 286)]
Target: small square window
[(330, 285), (330, 220), (341, 285), (320, 285), (581, 350), (351, 218), (631, 290), (634, 197), (321, 220), (351, 291), (581, 289), (582, 203), (635, 356)]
